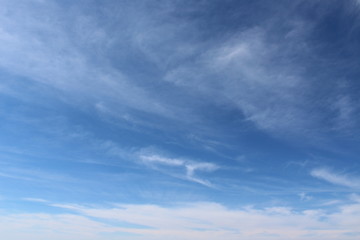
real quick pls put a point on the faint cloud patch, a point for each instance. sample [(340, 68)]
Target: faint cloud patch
[(336, 178), (171, 166)]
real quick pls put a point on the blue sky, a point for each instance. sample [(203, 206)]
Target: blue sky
[(179, 119)]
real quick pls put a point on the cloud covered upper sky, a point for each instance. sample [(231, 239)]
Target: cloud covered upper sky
[(183, 119)]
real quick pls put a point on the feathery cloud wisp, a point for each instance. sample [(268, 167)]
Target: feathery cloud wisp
[(335, 178), (191, 167)]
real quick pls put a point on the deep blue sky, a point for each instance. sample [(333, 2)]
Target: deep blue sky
[(180, 119)]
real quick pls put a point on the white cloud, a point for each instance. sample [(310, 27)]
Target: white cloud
[(335, 178), (345, 109), (52, 226), (241, 72), (202, 220), (162, 160), (40, 200), (191, 167), (203, 166), (304, 197)]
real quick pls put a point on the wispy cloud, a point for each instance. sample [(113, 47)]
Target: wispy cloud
[(191, 167), (162, 160), (336, 178), (304, 197), (39, 200), (266, 93), (246, 70), (53, 226), (201, 220), (46, 52), (35, 175), (346, 111)]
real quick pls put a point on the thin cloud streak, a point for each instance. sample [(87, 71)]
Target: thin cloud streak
[(335, 178), (191, 167), (203, 220)]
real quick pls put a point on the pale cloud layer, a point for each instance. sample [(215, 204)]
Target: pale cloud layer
[(205, 220)]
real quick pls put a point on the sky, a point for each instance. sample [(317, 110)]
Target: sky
[(179, 119)]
